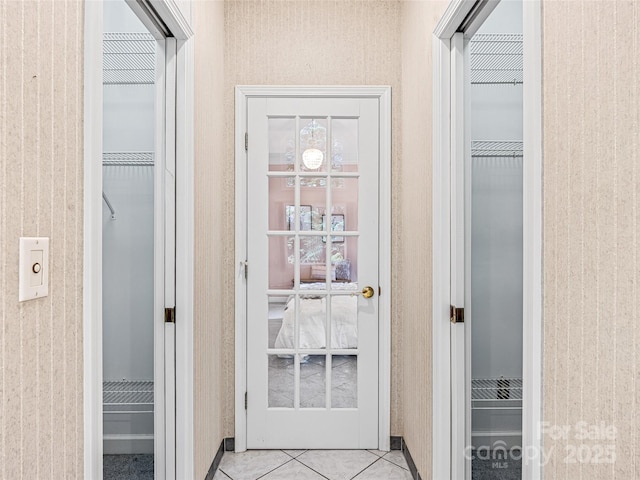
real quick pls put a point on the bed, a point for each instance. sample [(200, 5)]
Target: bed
[(313, 318)]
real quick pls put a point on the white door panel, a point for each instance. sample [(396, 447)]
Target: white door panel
[(169, 342), (459, 333), (165, 228), (312, 341)]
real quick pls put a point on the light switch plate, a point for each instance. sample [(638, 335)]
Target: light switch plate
[(34, 268)]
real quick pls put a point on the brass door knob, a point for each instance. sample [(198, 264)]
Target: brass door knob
[(367, 292)]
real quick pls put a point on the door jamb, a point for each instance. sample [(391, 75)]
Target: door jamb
[(185, 228), (383, 94), (456, 12), (92, 256), (533, 193)]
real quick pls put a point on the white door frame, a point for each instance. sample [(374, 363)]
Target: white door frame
[(383, 94), (171, 15), (445, 117)]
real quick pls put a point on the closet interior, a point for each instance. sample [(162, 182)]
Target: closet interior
[(129, 94), (496, 160)]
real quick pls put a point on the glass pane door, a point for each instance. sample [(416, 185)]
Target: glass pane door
[(313, 244), (312, 249)]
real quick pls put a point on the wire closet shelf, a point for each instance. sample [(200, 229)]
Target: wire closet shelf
[(490, 149), (124, 159), (127, 159), (127, 397), (496, 59), (128, 59), (496, 393)]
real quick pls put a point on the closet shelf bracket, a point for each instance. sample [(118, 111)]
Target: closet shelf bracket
[(109, 206)]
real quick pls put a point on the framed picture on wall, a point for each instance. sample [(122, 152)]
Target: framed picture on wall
[(305, 217), (337, 225)]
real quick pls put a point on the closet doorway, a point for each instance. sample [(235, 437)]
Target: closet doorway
[(487, 207), (138, 91), (138, 247), (489, 268), (313, 289)]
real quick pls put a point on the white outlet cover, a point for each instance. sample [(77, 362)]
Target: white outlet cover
[(34, 268)]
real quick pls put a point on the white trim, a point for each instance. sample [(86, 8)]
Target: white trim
[(143, 11), (240, 281), (357, 91), (458, 259), (168, 11), (479, 16), (457, 12), (466, 197), (171, 15), (451, 19), (441, 344), (167, 461), (92, 242), (159, 245), (383, 93), (532, 240), (384, 268), (184, 259), (532, 210)]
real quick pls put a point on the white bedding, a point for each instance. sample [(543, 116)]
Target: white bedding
[(313, 318)]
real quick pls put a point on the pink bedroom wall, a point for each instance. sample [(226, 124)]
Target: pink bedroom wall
[(280, 196)]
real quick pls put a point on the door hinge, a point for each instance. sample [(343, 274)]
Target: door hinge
[(245, 400), (457, 314), (245, 267), (246, 141), (170, 315)]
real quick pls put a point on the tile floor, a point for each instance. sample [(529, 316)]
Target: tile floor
[(313, 465)]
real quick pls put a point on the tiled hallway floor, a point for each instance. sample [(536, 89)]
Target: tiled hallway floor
[(313, 465)]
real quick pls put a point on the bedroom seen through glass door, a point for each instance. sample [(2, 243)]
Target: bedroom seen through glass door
[(313, 280)]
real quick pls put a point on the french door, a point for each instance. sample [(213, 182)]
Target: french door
[(312, 273)]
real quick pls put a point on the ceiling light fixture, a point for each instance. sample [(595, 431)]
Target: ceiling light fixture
[(312, 158), (313, 138)]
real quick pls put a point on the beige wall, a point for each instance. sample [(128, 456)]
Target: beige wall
[(269, 42), (412, 236), (41, 178), (212, 210), (592, 228), (591, 188)]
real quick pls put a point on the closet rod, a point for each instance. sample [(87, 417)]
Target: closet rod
[(127, 164), (492, 149), (502, 155), (127, 159), (106, 200)]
